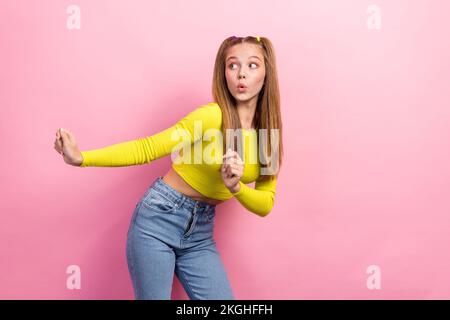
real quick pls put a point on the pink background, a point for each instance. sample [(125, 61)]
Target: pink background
[(366, 117)]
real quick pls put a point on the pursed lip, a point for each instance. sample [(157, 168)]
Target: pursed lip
[(241, 85)]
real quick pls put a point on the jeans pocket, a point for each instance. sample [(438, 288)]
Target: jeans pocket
[(154, 201)]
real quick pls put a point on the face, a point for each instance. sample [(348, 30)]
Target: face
[(245, 71)]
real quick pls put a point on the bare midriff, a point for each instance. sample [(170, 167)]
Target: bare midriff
[(174, 180)]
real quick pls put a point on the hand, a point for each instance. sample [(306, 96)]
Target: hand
[(66, 145), (232, 170)]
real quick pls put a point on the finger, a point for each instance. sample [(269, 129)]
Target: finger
[(69, 134), (236, 167), (226, 154), (228, 157), (67, 138), (58, 142), (230, 153), (58, 150), (62, 134), (226, 161), (234, 172), (233, 159), (66, 134), (237, 157), (236, 154), (226, 174), (230, 161), (71, 137), (63, 131), (234, 179), (230, 167)]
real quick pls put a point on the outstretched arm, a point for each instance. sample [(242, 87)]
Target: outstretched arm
[(145, 150)]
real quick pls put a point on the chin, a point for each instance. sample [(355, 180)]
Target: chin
[(244, 97)]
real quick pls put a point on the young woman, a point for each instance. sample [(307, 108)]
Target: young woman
[(172, 225)]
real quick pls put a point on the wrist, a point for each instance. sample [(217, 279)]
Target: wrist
[(236, 188), (79, 160)]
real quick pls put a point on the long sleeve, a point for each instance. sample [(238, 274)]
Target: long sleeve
[(145, 150), (259, 200)]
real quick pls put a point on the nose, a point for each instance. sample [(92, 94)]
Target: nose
[(241, 76)]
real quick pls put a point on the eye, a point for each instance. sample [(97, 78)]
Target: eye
[(253, 63)]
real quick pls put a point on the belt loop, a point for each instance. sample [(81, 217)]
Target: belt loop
[(195, 207), (183, 198)]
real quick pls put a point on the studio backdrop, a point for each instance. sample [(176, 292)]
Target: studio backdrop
[(362, 207)]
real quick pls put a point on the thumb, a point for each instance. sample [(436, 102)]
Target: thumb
[(63, 134)]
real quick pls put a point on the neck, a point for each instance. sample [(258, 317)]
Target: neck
[(246, 111)]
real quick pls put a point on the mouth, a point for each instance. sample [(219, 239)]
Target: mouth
[(241, 87)]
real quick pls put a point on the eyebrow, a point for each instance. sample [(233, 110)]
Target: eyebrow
[(249, 57)]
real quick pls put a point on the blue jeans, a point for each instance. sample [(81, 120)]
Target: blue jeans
[(171, 232)]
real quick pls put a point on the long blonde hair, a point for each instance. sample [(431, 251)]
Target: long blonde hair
[(267, 114)]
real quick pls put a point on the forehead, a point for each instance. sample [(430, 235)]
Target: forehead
[(244, 51)]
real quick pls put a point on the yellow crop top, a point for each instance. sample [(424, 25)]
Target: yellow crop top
[(202, 176)]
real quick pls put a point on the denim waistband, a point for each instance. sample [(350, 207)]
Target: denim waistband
[(179, 198)]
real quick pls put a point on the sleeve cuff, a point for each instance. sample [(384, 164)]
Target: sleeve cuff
[(83, 164), (241, 189)]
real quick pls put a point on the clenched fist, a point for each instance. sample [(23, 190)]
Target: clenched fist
[(66, 145), (232, 170)]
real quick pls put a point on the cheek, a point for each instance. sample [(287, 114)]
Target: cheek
[(260, 77), (258, 81), (228, 77)]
